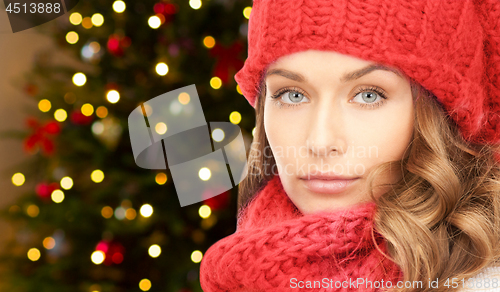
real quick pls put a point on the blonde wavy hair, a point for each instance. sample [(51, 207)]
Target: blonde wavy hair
[(442, 219)]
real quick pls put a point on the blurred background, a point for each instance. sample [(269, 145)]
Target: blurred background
[(76, 212)]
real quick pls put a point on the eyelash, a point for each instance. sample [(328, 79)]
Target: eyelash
[(375, 89)]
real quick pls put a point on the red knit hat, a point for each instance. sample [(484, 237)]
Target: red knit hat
[(450, 47)]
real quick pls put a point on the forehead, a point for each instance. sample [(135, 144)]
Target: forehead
[(325, 62)]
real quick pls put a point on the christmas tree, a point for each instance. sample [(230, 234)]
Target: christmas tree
[(95, 220)]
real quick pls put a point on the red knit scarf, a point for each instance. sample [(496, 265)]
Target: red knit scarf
[(277, 248)]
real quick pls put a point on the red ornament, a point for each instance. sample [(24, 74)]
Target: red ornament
[(165, 11), (116, 44), (44, 190), (218, 202), (78, 118), (227, 59), (112, 250), (41, 136)]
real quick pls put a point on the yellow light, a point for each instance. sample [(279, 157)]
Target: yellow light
[(33, 211), (101, 112), (72, 37), (162, 69), (60, 115), (95, 288), (145, 285), (146, 210), (218, 135), (195, 4), (161, 178), (97, 176), (107, 212), (87, 22), (119, 6), (113, 96), (247, 11), (44, 105), (49, 242), (79, 79), (66, 182), (204, 173), (161, 128), (97, 257), (57, 196), (215, 82), (184, 98), (204, 211), (238, 89), (75, 18), (253, 132), (97, 19), (87, 109), (154, 251), (130, 214), (18, 179), (235, 117), (34, 254), (209, 42), (154, 22), (196, 256)]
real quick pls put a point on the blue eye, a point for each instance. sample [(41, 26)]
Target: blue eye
[(370, 96), (290, 96)]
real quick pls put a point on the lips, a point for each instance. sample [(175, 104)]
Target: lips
[(327, 183)]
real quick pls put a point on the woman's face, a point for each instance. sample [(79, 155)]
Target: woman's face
[(331, 118)]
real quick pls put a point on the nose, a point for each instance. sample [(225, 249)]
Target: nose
[(327, 131)]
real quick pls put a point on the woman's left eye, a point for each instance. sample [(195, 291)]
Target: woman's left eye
[(371, 96)]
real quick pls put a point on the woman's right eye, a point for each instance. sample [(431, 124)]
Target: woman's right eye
[(291, 96)]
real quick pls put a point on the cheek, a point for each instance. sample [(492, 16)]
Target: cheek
[(283, 130), (390, 134)]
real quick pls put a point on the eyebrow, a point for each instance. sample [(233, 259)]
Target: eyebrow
[(345, 78)]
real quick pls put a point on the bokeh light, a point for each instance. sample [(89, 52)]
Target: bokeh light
[(72, 37), (146, 210), (44, 105), (119, 6), (79, 79), (97, 176), (161, 178), (204, 211), (34, 254), (97, 19), (60, 115), (162, 69), (18, 179), (75, 18), (196, 256)]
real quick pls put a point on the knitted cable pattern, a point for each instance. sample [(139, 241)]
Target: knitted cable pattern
[(450, 47), (275, 243)]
